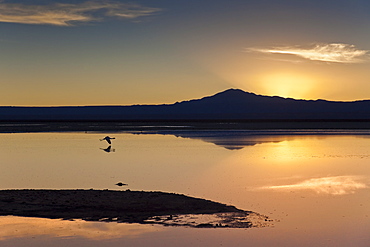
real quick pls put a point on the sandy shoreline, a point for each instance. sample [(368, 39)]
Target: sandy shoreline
[(119, 206)]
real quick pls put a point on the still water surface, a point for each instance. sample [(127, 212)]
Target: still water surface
[(315, 186)]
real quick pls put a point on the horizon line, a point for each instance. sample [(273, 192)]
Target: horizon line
[(159, 104)]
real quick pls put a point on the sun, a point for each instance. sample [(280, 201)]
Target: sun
[(287, 85)]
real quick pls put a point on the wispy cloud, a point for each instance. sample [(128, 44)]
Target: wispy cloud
[(339, 185), (60, 14), (334, 52)]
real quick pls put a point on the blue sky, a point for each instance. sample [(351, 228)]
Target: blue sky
[(162, 51)]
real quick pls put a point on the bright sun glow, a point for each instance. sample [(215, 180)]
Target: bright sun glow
[(284, 84), (287, 85), (286, 152)]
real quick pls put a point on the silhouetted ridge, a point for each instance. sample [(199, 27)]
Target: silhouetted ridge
[(232, 104), (227, 96), (231, 93)]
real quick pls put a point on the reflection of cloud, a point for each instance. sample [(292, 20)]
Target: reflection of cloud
[(335, 52), (20, 227), (66, 14), (339, 185)]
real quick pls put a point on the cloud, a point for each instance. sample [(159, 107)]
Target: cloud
[(334, 52), (339, 185), (60, 14)]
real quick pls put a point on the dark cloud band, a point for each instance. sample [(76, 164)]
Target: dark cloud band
[(71, 14)]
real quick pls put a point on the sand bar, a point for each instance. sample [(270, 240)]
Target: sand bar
[(121, 206)]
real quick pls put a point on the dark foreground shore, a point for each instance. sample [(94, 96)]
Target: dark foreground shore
[(61, 126), (122, 206)]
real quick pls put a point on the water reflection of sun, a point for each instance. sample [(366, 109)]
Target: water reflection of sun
[(286, 152)]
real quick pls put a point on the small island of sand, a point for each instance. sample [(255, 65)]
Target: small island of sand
[(126, 206)]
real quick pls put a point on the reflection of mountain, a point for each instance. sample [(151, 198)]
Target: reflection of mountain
[(238, 139), (232, 140), (231, 104)]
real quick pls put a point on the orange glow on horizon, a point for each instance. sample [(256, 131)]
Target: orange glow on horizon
[(287, 85)]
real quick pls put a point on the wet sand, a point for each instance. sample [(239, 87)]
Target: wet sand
[(120, 206)]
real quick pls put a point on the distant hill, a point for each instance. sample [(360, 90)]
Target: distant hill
[(232, 104)]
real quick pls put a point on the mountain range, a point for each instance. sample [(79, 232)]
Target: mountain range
[(232, 104)]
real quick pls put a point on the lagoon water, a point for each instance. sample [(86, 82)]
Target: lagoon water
[(314, 185)]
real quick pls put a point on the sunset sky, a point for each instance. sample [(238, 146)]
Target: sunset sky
[(118, 52)]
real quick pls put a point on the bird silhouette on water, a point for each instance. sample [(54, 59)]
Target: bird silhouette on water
[(108, 139), (108, 149), (120, 184)]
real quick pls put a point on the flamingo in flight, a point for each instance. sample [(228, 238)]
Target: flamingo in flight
[(108, 139)]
